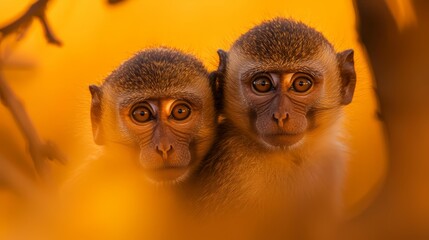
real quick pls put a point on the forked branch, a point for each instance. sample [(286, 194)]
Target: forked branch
[(39, 149), (36, 10)]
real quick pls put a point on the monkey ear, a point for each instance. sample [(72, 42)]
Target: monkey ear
[(96, 113), (348, 75), (217, 79)]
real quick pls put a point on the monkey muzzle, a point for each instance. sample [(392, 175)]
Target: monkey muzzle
[(171, 165), (282, 139)]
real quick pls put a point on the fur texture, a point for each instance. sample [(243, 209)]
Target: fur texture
[(246, 175)]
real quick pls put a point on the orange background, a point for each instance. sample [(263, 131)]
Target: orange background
[(53, 82)]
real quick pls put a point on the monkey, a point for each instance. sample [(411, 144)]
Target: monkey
[(155, 118), (281, 90), (159, 105)]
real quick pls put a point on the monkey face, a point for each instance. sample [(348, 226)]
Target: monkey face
[(279, 103), (158, 110), (167, 135), (283, 101), (282, 80), (164, 130)]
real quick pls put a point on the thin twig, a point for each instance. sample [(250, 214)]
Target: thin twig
[(15, 178), (36, 10), (39, 149)]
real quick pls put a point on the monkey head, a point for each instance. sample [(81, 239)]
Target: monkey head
[(158, 109), (283, 79)]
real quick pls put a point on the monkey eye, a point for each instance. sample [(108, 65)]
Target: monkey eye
[(302, 84), (141, 114), (181, 111), (262, 84)]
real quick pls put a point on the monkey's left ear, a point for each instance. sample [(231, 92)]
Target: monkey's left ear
[(97, 130), (348, 75), (217, 79)]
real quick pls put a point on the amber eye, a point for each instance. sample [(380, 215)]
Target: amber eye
[(141, 114), (181, 111), (262, 84), (302, 84)]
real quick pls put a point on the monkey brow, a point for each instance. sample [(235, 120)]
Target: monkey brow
[(190, 97), (251, 72), (315, 72)]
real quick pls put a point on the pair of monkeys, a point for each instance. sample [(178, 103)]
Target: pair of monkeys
[(279, 92)]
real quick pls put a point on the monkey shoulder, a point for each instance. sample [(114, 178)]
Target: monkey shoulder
[(230, 148)]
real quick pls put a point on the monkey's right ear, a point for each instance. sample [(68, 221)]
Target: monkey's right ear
[(96, 113), (217, 79), (348, 75)]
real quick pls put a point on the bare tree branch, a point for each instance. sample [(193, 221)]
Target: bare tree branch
[(36, 10), (398, 57), (39, 149), (14, 177)]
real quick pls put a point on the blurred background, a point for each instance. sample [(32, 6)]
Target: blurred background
[(52, 82)]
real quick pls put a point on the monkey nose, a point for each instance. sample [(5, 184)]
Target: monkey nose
[(280, 118), (163, 150)]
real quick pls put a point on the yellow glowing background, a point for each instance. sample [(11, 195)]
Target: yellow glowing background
[(53, 82)]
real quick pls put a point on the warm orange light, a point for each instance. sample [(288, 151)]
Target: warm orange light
[(53, 82)]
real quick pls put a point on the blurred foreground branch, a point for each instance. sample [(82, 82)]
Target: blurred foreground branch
[(39, 149), (36, 10), (398, 56), (14, 177)]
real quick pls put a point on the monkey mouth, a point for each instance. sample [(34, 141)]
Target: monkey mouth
[(282, 139), (167, 175)]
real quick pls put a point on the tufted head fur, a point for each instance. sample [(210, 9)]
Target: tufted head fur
[(154, 81), (283, 47)]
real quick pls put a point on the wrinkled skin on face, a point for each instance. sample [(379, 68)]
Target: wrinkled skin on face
[(157, 108), (285, 83)]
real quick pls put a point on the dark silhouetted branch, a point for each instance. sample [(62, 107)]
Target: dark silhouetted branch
[(14, 177), (398, 56), (39, 149), (36, 10)]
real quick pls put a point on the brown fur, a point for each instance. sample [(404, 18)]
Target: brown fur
[(157, 71), (280, 41), (155, 77), (243, 173), (116, 179)]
